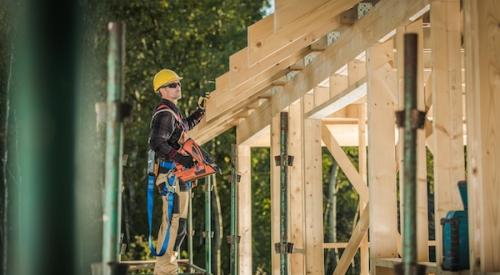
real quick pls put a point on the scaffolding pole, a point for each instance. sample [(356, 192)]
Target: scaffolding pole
[(283, 160), (411, 119), (190, 229), (234, 238), (114, 145), (208, 225)]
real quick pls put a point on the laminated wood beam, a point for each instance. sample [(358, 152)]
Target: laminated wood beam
[(287, 11), (482, 68), (299, 33), (449, 164), (382, 85), (313, 191), (245, 210)]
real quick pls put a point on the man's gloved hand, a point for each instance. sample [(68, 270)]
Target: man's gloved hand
[(186, 161), (202, 101)]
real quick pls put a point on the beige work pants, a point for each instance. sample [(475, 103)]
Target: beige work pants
[(167, 264)]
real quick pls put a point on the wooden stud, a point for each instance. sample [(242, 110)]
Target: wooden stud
[(296, 186), (449, 166), (382, 82), (313, 197), (364, 253), (482, 67), (245, 209)]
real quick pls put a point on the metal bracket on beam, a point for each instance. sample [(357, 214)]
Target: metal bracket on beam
[(283, 248), (277, 160), (417, 119)]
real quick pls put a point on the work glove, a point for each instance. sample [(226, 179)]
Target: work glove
[(202, 101), (186, 161)]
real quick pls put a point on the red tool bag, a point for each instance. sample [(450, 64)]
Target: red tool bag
[(202, 164)]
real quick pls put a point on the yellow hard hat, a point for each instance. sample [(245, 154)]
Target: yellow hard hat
[(164, 77)]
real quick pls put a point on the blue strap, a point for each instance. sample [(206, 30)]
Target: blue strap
[(170, 207)]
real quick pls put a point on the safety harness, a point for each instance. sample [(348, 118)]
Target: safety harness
[(167, 190)]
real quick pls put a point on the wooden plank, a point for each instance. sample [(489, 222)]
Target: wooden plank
[(341, 100), (334, 245), (299, 33), (338, 83), (356, 38), (255, 122), (449, 166), (356, 70), (238, 61), (313, 189), (321, 94), (483, 140), (287, 11), (356, 237), (275, 193), (381, 154), (344, 163), (245, 210), (248, 83), (260, 30), (296, 186), (364, 253)]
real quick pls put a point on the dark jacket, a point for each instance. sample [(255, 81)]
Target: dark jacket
[(166, 129)]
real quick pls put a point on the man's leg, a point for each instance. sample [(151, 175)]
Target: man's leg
[(183, 195), (167, 264)]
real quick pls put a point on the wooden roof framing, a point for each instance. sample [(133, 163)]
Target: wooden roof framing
[(339, 76), (234, 100)]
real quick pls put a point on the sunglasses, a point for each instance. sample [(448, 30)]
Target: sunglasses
[(173, 85)]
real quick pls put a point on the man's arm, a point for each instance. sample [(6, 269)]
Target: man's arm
[(194, 118)]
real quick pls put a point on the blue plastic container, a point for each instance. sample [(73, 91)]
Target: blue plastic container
[(456, 235)]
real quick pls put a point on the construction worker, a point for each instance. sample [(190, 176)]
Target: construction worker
[(168, 129)]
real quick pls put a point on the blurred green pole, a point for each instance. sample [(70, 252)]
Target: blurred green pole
[(208, 226), (5, 169), (114, 145), (234, 238), (45, 73)]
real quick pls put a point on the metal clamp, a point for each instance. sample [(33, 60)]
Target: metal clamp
[(283, 248), (277, 160), (417, 119), (232, 239)]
